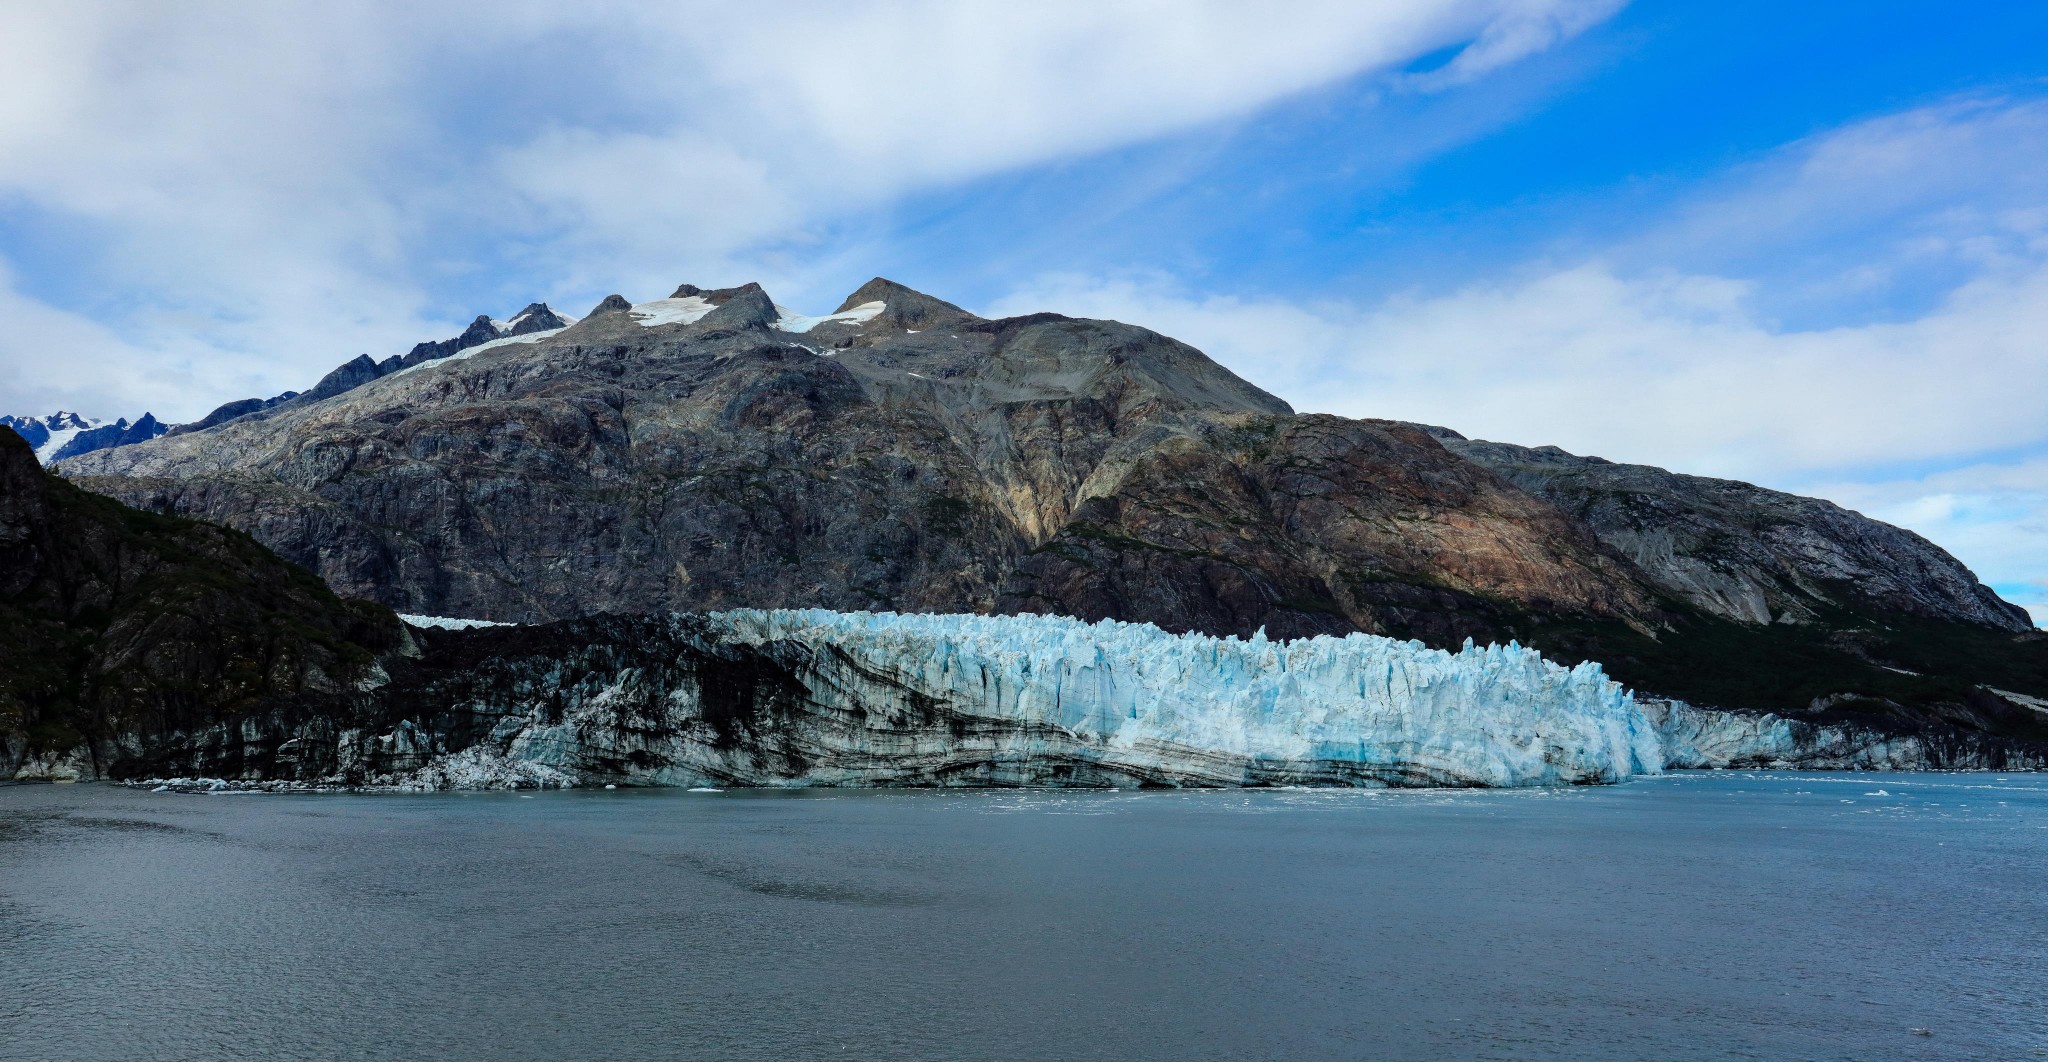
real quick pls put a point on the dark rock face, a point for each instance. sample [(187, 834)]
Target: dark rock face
[(230, 411), (349, 376), (116, 625), (1317, 524), (906, 309), (747, 307), (924, 459), (1737, 550), (535, 318)]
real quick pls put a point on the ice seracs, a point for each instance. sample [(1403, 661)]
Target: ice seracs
[(812, 697)]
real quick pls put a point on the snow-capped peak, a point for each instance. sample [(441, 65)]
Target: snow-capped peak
[(49, 434)]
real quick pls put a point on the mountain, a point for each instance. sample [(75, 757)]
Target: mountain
[(716, 450), (47, 435), (536, 318), (134, 644), (108, 436), (64, 435), (118, 626), (1743, 552)]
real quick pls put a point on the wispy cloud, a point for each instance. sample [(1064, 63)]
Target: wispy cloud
[(1937, 418), (246, 192)]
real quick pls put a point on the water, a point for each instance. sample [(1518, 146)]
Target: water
[(1704, 916)]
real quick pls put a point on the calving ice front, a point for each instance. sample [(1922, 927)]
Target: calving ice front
[(812, 697), (883, 699)]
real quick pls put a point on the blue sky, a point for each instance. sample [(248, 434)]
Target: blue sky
[(1805, 245)]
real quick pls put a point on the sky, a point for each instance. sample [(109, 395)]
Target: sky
[(1801, 245)]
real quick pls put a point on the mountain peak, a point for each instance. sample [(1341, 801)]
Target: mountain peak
[(747, 306), (611, 304), (537, 317), (908, 308)]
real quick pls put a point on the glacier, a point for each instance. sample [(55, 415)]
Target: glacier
[(821, 698), (449, 623), (797, 698)]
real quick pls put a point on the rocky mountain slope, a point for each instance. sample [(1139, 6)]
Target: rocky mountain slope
[(536, 317), (714, 450), (138, 645), (1743, 552), (117, 625), (65, 435)]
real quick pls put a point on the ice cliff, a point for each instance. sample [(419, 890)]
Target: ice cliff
[(819, 698), (798, 698)]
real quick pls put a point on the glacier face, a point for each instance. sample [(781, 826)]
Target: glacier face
[(818, 698), (1692, 737), (796, 698)]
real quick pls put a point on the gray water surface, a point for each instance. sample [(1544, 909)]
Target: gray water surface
[(1701, 916)]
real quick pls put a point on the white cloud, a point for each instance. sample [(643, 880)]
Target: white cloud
[(1696, 371), (272, 187), (1993, 515), (1668, 369)]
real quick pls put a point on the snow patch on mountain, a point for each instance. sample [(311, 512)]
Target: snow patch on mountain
[(50, 434), (470, 352), (450, 623), (795, 322), (687, 309), (60, 438)]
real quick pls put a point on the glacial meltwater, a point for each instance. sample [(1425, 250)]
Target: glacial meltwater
[(1717, 915)]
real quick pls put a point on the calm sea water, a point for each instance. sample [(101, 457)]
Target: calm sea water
[(1704, 916)]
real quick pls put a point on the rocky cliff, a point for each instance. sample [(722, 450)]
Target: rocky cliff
[(715, 450), (118, 627), (1746, 553)]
